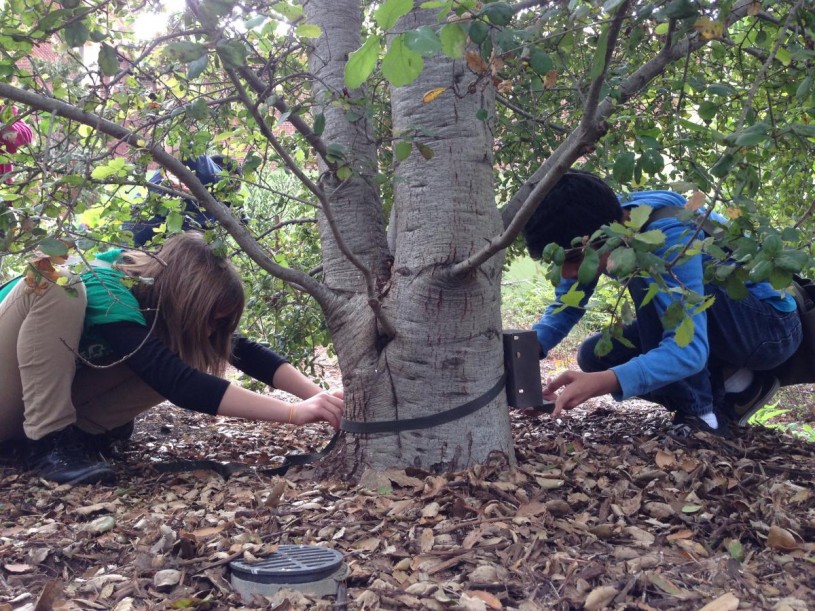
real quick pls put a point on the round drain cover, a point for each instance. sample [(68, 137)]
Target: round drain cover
[(290, 564)]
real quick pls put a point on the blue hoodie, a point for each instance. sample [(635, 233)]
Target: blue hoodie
[(668, 362)]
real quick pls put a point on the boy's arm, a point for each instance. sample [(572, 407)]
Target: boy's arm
[(668, 362), (555, 325)]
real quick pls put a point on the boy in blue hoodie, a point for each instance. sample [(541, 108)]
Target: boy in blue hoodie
[(723, 374)]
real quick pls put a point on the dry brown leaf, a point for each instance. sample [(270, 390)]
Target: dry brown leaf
[(696, 201), (204, 533), (680, 534), (18, 568), (531, 509), (426, 540), (600, 598), (781, 539), (725, 602), (489, 600), (550, 80), (666, 585), (475, 62)]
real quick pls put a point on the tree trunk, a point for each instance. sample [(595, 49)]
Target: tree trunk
[(447, 347)]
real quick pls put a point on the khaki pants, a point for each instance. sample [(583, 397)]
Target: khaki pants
[(41, 390)]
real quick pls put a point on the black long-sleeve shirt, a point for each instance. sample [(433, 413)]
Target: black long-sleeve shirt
[(176, 381)]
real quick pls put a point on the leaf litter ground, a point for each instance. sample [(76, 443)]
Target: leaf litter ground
[(604, 510)]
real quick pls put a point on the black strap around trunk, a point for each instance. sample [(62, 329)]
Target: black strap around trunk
[(356, 427)]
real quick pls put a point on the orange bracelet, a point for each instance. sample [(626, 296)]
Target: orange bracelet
[(291, 412)]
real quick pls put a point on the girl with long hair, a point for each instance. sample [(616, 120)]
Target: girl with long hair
[(163, 328)]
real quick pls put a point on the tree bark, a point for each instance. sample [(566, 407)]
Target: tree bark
[(447, 347)]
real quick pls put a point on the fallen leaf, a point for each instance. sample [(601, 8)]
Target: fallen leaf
[(781, 538), (18, 568), (599, 598), (489, 600), (725, 602)]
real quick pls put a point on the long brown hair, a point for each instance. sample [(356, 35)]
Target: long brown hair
[(195, 297)]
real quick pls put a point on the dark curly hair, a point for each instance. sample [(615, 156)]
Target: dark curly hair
[(578, 205)]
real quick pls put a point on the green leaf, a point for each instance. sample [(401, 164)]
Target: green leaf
[(453, 40), (109, 169), (622, 261), (361, 63), (53, 247), (335, 153), (691, 508), (344, 172), (185, 51), (679, 9), (197, 66), (174, 221), (639, 216), (478, 31), (232, 53), (319, 124), (390, 11), (623, 169), (784, 56), (425, 151), (736, 550), (401, 66), (76, 34), (722, 167), (684, 332), (753, 135), (804, 89), (653, 237), (424, 41), (573, 297), (653, 290), (108, 60), (610, 5), (588, 270), (308, 30), (599, 62), (707, 110), (402, 150), (499, 13), (540, 61), (289, 10)]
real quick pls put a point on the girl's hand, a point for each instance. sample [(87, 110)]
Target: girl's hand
[(322, 407), (579, 386)]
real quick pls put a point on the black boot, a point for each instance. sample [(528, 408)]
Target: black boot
[(109, 442), (62, 457)]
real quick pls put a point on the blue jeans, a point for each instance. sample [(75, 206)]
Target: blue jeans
[(746, 333)]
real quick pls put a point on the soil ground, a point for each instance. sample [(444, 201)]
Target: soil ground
[(604, 510)]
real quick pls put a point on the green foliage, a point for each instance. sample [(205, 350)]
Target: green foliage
[(768, 414)]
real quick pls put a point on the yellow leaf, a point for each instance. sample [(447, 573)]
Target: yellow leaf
[(433, 94), (732, 213), (708, 28)]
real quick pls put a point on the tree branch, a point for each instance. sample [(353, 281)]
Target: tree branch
[(222, 214)]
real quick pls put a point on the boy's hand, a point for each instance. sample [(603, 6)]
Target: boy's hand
[(578, 386)]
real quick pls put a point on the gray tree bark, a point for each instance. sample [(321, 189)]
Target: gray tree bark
[(446, 345)]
